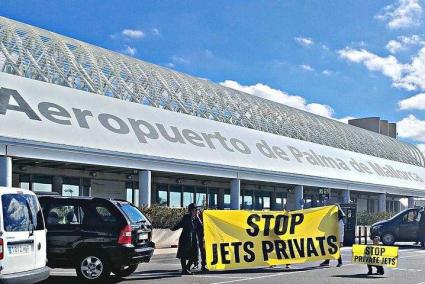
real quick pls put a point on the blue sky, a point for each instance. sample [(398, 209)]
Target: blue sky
[(335, 58)]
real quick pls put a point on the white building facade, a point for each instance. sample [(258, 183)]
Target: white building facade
[(80, 120)]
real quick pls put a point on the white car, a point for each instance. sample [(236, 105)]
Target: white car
[(22, 237)]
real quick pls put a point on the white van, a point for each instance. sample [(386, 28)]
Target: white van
[(22, 237)]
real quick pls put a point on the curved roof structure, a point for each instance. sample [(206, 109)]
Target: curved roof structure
[(42, 55)]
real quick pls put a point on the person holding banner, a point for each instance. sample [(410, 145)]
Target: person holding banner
[(188, 242), (379, 268), (341, 226)]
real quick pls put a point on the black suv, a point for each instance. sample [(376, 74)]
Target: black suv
[(96, 236), (403, 227)]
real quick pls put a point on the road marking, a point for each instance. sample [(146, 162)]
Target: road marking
[(221, 276)]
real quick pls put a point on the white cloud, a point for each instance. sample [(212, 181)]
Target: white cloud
[(307, 67), (412, 128), (327, 72), (415, 102), (403, 14), (155, 31), (279, 96), (346, 119), (130, 50), (133, 34), (404, 42), (389, 65), (304, 41)]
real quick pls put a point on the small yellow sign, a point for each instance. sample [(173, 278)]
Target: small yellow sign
[(375, 255)]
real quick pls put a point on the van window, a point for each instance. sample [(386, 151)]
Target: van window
[(21, 212), (65, 215), (133, 214)]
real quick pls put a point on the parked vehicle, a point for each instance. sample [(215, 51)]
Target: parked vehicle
[(403, 227), (22, 238), (96, 236)]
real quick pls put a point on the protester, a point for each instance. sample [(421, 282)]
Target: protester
[(421, 228), (199, 228), (188, 242), (379, 268), (341, 228)]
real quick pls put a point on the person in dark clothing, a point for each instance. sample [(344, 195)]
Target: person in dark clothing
[(200, 233), (188, 242), (421, 228), (379, 268)]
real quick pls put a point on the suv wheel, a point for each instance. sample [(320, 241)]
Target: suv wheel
[(125, 271), (92, 268), (388, 239)]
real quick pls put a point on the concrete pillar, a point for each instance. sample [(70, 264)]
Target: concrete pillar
[(57, 184), (220, 198), (273, 200), (346, 196), (382, 203), (235, 194), (5, 171), (145, 188), (299, 197), (410, 202)]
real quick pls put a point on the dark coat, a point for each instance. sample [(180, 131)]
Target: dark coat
[(189, 238)]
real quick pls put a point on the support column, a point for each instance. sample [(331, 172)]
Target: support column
[(220, 198), (235, 194), (382, 203), (273, 200), (145, 188), (57, 185), (299, 197), (410, 202), (346, 196), (5, 171)]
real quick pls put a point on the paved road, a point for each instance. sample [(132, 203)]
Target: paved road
[(164, 268)]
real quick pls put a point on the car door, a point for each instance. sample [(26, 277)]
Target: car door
[(18, 234), (408, 227), (64, 219)]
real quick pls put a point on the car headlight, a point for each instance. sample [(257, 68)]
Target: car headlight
[(377, 228)]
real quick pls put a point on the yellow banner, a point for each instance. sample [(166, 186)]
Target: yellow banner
[(241, 239), (375, 255)]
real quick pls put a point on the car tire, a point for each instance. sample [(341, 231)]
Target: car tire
[(388, 239), (126, 271), (93, 268)]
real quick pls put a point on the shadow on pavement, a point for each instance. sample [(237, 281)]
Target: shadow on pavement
[(262, 270), (360, 276)]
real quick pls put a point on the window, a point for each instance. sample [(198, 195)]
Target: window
[(175, 196), (21, 212), (71, 187), (105, 215), (247, 202), (410, 217), (65, 215), (266, 200), (187, 195), (227, 199), (201, 196), (42, 183), (212, 198), (24, 181), (133, 214), (162, 194)]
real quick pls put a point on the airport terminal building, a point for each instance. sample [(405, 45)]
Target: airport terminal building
[(77, 119)]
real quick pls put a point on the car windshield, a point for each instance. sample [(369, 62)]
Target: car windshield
[(134, 214)]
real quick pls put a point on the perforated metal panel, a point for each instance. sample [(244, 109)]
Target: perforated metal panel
[(42, 55)]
